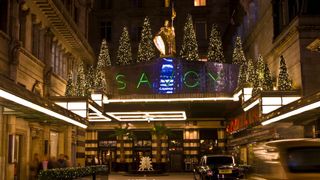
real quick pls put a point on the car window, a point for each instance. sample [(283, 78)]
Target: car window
[(304, 159), (219, 160)]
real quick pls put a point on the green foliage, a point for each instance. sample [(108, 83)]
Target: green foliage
[(251, 73), (260, 71), (243, 76), (146, 50), (80, 86), (103, 62), (284, 83), (267, 83), (122, 132), (71, 172), (124, 55), (238, 54), (189, 50), (160, 131), (215, 52), (90, 76), (70, 86)]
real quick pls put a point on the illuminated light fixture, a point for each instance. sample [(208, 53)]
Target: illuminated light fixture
[(99, 98), (247, 94), (237, 94), (36, 107), (251, 105), (270, 104), (173, 99), (79, 108), (292, 113), (149, 116), (97, 116)]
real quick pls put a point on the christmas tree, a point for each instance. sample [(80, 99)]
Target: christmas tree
[(251, 73), (215, 53), (242, 77), (146, 50), (284, 83), (80, 86), (267, 83), (238, 54), (260, 71), (70, 86), (89, 81), (103, 62), (189, 50), (124, 56)]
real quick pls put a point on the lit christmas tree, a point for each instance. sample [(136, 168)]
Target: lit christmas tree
[(251, 73), (90, 76), (238, 54), (189, 50), (267, 83), (80, 86), (146, 50), (215, 53), (103, 62), (124, 56), (242, 77), (284, 83), (70, 86), (260, 71)]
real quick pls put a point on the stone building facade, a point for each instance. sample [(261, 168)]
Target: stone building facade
[(40, 43), (274, 29), (110, 16)]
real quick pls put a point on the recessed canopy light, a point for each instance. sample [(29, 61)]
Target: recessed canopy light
[(23, 102), (149, 116)]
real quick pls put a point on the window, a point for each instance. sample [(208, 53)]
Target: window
[(200, 2), (137, 3), (3, 15), (106, 30), (59, 60), (167, 3), (201, 30), (106, 4), (35, 37), (22, 27), (303, 159), (76, 15)]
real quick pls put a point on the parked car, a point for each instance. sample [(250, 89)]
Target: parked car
[(217, 167), (287, 159)]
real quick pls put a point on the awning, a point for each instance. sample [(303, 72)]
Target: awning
[(32, 106)]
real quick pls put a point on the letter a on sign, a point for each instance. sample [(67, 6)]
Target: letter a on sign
[(144, 79)]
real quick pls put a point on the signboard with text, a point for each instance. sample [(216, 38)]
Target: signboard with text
[(173, 76)]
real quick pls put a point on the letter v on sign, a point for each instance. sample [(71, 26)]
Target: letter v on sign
[(214, 77), (167, 81)]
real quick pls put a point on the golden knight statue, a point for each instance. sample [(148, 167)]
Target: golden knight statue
[(165, 38)]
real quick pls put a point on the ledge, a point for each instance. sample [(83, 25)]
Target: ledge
[(62, 22)]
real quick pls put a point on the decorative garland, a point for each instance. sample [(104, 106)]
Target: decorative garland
[(71, 173)]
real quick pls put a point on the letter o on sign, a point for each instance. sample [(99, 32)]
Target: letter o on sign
[(191, 74)]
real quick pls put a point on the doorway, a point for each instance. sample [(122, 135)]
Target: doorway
[(176, 162), (15, 155)]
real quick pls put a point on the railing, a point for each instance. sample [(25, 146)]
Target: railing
[(72, 172)]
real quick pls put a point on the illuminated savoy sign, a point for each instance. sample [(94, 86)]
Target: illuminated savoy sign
[(173, 76)]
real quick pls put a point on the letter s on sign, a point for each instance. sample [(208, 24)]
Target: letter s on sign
[(120, 80)]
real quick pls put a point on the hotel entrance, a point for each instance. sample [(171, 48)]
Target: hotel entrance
[(175, 146)]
